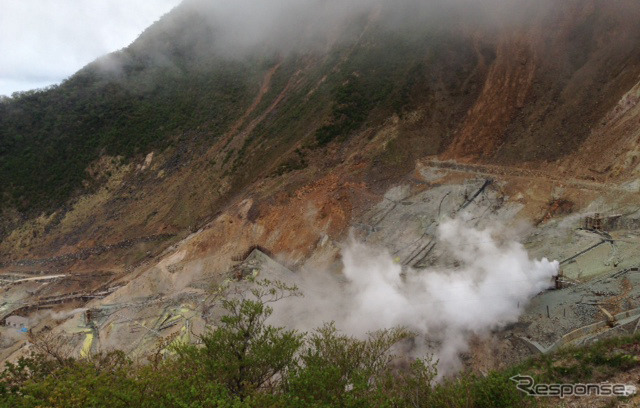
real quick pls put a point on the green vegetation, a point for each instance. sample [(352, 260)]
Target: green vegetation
[(353, 101), (142, 98), (49, 137), (392, 72), (370, 78), (245, 362), (295, 162), (595, 363), (170, 86)]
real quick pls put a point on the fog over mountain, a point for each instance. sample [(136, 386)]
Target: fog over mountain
[(255, 138), (44, 42)]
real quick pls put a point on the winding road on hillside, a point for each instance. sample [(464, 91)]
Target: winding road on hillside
[(486, 170)]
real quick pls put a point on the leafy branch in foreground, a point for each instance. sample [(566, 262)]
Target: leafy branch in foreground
[(244, 354)]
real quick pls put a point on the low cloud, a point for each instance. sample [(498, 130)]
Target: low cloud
[(285, 25), (43, 42)]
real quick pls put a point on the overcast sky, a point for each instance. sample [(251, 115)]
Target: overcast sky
[(43, 42)]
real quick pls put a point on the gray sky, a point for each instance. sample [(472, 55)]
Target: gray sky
[(43, 42)]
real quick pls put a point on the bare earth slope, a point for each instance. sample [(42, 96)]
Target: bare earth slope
[(383, 134)]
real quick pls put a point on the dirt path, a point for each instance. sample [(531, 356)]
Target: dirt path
[(266, 85), (255, 122), (486, 170)]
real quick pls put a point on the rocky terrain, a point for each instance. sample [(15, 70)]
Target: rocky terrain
[(529, 125)]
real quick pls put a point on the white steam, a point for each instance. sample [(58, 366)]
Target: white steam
[(485, 292)]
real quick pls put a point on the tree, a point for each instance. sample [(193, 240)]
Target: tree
[(244, 353), (340, 370)]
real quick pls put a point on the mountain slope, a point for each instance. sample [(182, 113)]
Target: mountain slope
[(150, 170), (528, 89)]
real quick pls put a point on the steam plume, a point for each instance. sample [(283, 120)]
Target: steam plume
[(485, 292)]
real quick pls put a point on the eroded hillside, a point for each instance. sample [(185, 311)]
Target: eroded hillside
[(151, 174)]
